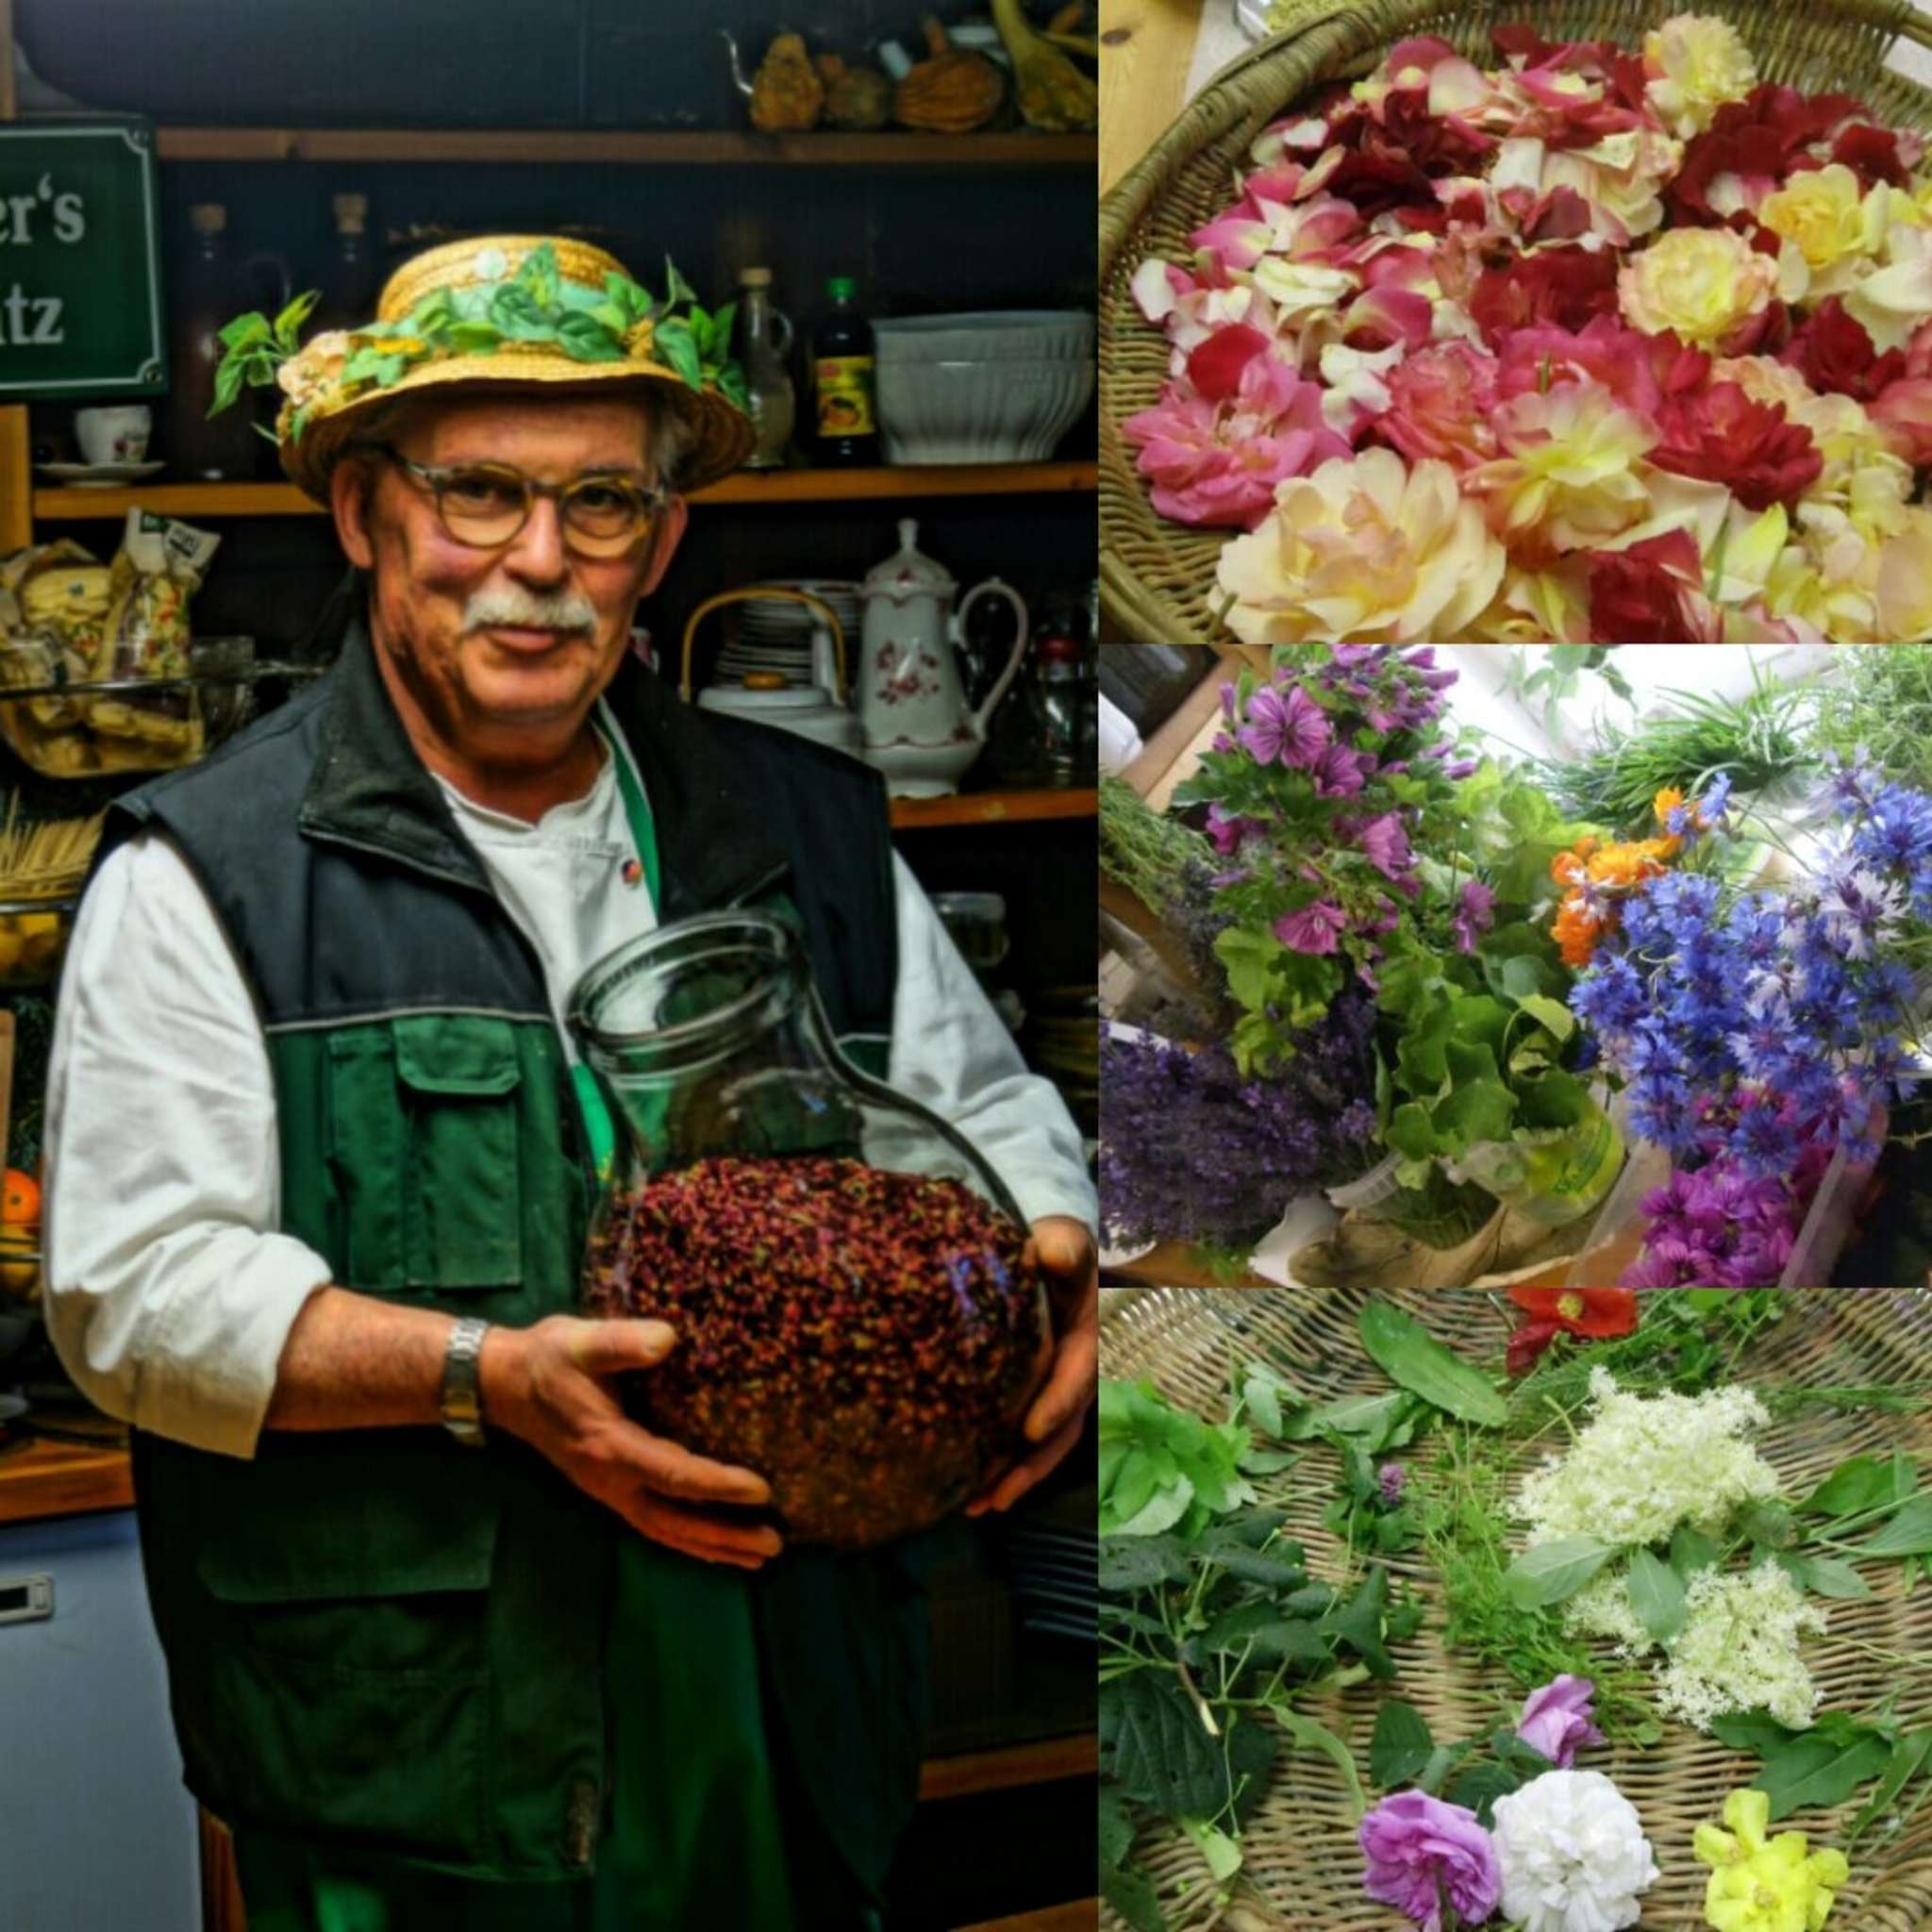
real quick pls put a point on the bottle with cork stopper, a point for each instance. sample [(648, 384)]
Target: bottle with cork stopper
[(222, 448)]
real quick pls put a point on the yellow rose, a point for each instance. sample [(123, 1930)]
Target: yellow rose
[(1364, 549), (1693, 64), (1567, 479), (1765, 379), (1838, 228), (1702, 283), (1905, 581)]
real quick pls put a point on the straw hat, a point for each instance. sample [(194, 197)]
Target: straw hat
[(581, 325)]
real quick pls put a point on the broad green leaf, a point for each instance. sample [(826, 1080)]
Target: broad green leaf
[(245, 331), (1161, 1511), (1825, 1575), (1554, 1572), (1223, 1854), (1657, 1596), (1267, 1461), (1140, 1562), (1401, 1747), (1909, 1756), (1359, 1622), (1480, 1786), (1132, 1896), (1116, 1827), (1311, 1736), (1382, 1422), (1551, 1014), (1477, 1109), (1817, 1771), (1909, 1533), (1690, 1550), (1251, 961), (1156, 1748), (1264, 1634), (1860, 1483), (1412, 1357), (1756, 1731)]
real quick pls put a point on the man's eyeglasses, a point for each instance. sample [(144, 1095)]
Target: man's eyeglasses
[(486, 505)]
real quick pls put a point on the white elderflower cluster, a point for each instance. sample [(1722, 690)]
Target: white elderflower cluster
[(1738, 1649), (1601, 1608), (1644, 1464)]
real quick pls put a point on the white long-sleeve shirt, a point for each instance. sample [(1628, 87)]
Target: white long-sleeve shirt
[(168, 1294)]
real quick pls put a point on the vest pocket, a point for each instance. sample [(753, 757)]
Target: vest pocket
[(423, 1141), (349, 1684)]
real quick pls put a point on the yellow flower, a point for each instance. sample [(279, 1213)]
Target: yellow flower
[(1765, 379), (1365, 548), (1838, 229), (1905, 581), (1666, 802), (1702, 283), (1568, 476), (1693, 64), (1756, 1884)]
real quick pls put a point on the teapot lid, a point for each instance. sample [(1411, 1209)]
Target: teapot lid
[(907, 569)]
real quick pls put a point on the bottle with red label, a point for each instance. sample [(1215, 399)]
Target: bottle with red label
[(842, 365)]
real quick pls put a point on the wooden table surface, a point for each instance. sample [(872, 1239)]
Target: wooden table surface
[(40, 1478), (1145, 48)]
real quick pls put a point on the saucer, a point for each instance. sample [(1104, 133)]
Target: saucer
[(99, 475)]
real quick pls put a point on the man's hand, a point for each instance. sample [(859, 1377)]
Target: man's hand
[(550, 1384), (1064, 1248)]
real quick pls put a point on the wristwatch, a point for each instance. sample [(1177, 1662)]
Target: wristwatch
[(462, 1397)]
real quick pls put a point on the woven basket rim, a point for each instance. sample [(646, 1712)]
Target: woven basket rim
[(1251, 89)]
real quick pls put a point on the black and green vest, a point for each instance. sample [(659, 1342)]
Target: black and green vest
[(378, 1637)]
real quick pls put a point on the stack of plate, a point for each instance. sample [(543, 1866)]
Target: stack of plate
[(774, 634), (1053, 1573)]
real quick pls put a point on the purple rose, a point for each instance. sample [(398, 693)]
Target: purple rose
[(1313, 930), (1557, 1719), (1294, 729), (1424, 1854), (1387, 844), (1475, 915)]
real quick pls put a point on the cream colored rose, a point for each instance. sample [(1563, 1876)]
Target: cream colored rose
[(1569, 477), (1765, 379), (1904, 589), (1836, 229), (1693, 64), (315, 367), (1702, 283), (1364, 549)]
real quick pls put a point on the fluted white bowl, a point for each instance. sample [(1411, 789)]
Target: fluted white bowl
[(1029, 335), (980, 412)]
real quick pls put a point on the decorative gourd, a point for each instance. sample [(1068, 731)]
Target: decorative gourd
[(952, 92), (786, 92), (1054, 94), (857, 98)]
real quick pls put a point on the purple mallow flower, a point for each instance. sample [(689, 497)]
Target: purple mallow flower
[(1386, 842), (1475, 915), (1557, 1719), (1423, 1855), (1314, 928), (1289, 728)]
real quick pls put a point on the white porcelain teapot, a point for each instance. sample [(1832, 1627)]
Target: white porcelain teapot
[(920, 730)]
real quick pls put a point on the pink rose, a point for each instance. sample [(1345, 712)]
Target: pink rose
[(1424, 1854), (1557, 1719), (1441, 402)]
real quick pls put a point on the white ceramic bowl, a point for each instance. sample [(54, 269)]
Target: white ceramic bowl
[(1029, 335), (980, 412)]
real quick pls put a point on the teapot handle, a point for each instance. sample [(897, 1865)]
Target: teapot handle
[(816, 606), (993, 587)]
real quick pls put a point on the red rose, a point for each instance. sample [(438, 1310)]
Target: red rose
[(1566, 286), (1639, 370), (1651, 594), (1834, 351), (1215, 366), (1760, 139), (1725, 436), (1872, 154)]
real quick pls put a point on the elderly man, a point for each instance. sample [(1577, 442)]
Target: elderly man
[(451, 1641)]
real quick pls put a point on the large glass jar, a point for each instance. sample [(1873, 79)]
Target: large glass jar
[(856, 1319)]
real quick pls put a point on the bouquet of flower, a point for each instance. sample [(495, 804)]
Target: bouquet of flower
[(1588, 345)]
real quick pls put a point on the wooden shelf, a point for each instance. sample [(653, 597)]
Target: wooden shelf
[(40, 1478), (1009, 1766), (992, 809), (746, 487), (725, 147)]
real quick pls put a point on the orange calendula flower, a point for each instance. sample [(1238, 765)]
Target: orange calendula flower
[(1583, 919), (1576, 932)]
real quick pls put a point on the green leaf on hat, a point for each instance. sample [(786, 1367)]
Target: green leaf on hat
[(674, 340)]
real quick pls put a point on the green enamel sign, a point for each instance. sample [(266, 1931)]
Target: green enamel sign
[(80, 282)]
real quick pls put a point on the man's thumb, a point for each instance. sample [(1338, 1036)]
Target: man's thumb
[(608, 1348)]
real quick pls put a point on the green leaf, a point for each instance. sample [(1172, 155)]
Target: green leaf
[(586, 339), (1756, 1731), (1551, 1014), (1311, 1736), (1412, 1357), (674, 343), (1909, 1756), (1264, 1634), (1116, 1827), (1482, 1108), (1909, 1533), (1691, 1550), (677, 289), (1250, 959), (1132, 1896), (1817, 1771), (1223, 1854), (227, 386), (1480, 1786), (1140, 1562), (245, 331), (1825, 1575), (1657, 1596), (1554, 1572), (1359, 1622), (1267, 1461), (1400, 1746), (1382, 1422), (1154, 1745), (1262, 1392)]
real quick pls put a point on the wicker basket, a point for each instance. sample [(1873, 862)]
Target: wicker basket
[(1304, 1870), (1156, 577)]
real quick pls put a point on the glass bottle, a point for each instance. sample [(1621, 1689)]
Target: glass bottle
[(843, 369), (351, 285), (218, 448), (857, 1320), (766, 335)]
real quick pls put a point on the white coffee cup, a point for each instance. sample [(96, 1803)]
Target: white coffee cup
[(117, 433)]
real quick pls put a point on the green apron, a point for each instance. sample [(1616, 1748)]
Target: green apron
[(706, 1829)]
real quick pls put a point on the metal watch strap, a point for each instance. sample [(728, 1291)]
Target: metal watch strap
[(462, 1397)]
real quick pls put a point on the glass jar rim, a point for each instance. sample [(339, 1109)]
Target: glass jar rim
[(772, 942)]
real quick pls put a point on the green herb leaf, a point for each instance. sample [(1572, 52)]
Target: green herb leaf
[(1553, 1572), (245, 331), (1358, 1623), (1860, 1483), (1154, 1745), (1140, 1562), (1818, 1770), (1411, 1355), (1401, 1747), (1909, 1533), (674, 342), (1480, 1786), (1825, 1575), (1264, 1634), (1756, 1731), (1690, 1550), (1909, 1756), (1382, 1422), (1133, 1898), (1311, 1736), (1657, 1596)]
